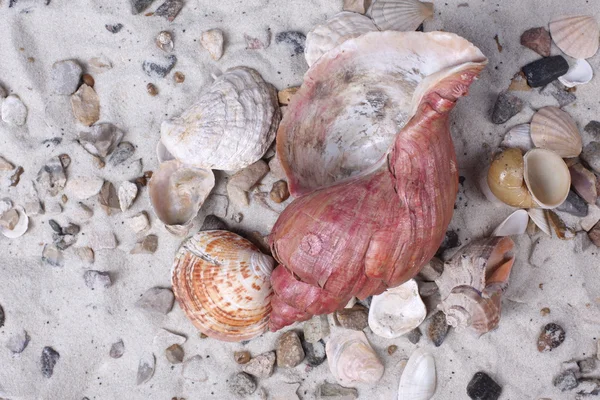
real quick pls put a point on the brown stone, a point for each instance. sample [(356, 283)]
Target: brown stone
[(86, 105), (594, 235), (356, 318), (88, 80), (241, 357), (152, 90), (179, 77), (538, 40), (279, 192), (289, 350)]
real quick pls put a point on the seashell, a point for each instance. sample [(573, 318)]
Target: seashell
[(579, 73), (584, 182), (336, 30), (547, 177), (231, 126), (177, 191), (518, 137), (162, 154), (397, 311), (400, 15), (221, 282), (554, 129), (418, 380), (577, 36), (19, 228), (485, 189), (540, 219), (506, 180), (164, 41), (473, 281), (351, 358), (514, 224)]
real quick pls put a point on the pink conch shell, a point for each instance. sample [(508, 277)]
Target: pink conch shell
[(221, 282), (373, 224), (473, 281)]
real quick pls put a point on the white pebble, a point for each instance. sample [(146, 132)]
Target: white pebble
[(127, 193), (212, 40), (139, 222), (103, 240), (84, 187), (14, 111)]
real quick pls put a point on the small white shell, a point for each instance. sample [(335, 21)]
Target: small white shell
[(539, 217), (335, 31), (554, 129), (519, 137), (400, 15), (164, 41), (514, 224), (418, 380), (579, 73), (577, 36), (21, 226), (162, 153), (397, 311), (547, 177)]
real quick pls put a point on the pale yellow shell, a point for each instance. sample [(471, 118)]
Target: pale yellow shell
[(222, 283), (400, 15), (547, 177), (554, 129), (577, 36)]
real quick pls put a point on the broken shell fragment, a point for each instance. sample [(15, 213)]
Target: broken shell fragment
[(547, 177), (101, 140), (240, 184), (164, 41), (540, 219), (222, 283), (579, 73), (212, 40), (19, 227), (177, 191), (554, 129), (506, 179), (400, 15), (577, 36), (162, 154), (514, 224), (418, 380), (518, 137)]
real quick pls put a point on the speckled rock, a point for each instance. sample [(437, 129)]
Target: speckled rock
[(566, 380), (506, 107), (355, 318), (591, 155), (289, 350), (97, 279), (551, 337), (48, 360), (159, 68), (538, 40), (261, 366), (156, 300), (315, 353), (137, 6), (482, 387), (242, 384), (316, 328), (438, 328), (295, 40)]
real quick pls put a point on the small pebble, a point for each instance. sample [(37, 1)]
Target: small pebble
[(566, 380), (137, 6), (169, 9), (159, 69), (482, 387), (213, 223), (587, 365), (594, 235), (438, 328), (14, 111), (97, 279), (538, 40), (117, 349), (591, 155), (113, 28), (15, 178), (151, 89), (279, 192), (212, 40), (242, 384), (355, 318), (55, 226), (49, 359), (139, 222), (108, 199), (392, 349), (237, 217), (174, 354), (122, 153), (103, 240), (593, 128), (551, 337), (241, 182), (65, 76), (146, 368), (289, 350), (51, 177), (574, 205), (544, 311), (51, 255), (316, 328), (333, 391), (241, 357), (127, 193), (65, 160), (542, 72), (86, 105), (156, 300), (194, 369), (2, 317), (5, 165), (414, 336), (147, 245), (179, 77), (315, 353), (17, 342), (84, 187), (9, 219), (261, 366), (295, 40), (506, 107), (254, 43)]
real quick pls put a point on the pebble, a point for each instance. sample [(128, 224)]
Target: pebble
[(147, 245), (355, 318), (84, 187), (194, 369), (242, 384), (65, 76), (241, 357), (9, 219), (137, 6), (99, 64), (174, 354), (18, 342), (566, 380), (146, 368), (213, 223), (560, 93), (88, 80), (33, 207), (86, 105), (544, 311), (49, 359), (139, 222), (482, 387), (14, 111), (169, 9), (279, 192), (414, 336), (71, 229), (333, 391), (156, 300), (127, 193), (179, 77), (316, 328), (315, 353), (65, 160), (357, 6), (51, 255), (53, 208), (551, 337), (237, 217), (587, 365), (117, 349), (241, 182), (108, 199), (5, 165), (51, 177), (254, 43), (261, 366), (594, 235), (438, 328), (293, 39), (15, 178), (103, 240), (82, 212), (574, 205), (62, 242), (165, 338), (97, 279), (151, 89), (159, 69), (542, 72), (392, 349), (101, 139), (506, 107), (593, 128), (2, 317), (289, 350), (114, 28), (212, 40), (538, 40), (123, 152), (591, 155)]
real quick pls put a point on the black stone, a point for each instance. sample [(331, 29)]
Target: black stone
[(315, 352), (482, 387), (461, 180), (154, 70), (2, 317), (294, 39), (137, 6), (542, 72), (169, 9), (55, 226), (574, 205), (450, 241), (49, 359), (213, 223), (506, 107), (593, 128), (116, 28), (11, 3)]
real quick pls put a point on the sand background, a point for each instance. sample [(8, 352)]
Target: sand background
[(56, 308)]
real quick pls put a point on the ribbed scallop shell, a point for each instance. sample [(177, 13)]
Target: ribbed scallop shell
[(230, 127), (335, 31), (351, 358), (547, 177), (222, 283), (400, 15), (577, 36), (554, 129), (519, 137), (418, 379), (466, 307)]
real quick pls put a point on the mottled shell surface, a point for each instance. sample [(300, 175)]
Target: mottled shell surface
[(222, 283), (418, 380), (577, 36), (397, 311), (335, 31), (554, 129), (547, 177), (351, 358), (400, 15), (230, 127)]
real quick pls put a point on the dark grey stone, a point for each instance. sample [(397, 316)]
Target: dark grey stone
[(574, 205), (293, 39), (213, 223), (114, 28), (315, 352), (542, 72), (482, 387), (591, 155), (506, 107), (169, 9), (159, 69), (123, 151), (49, 359), (414, 336), (593, 128)]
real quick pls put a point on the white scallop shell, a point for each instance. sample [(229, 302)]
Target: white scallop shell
[(162, 153), (519, 137), (21, 226), (554, 129), (335, 31), (400, 15), (514, 224), (418, 379), (397, 311), (230, 127), (539, 217), (579, 73), (547, 177), (577, 36)]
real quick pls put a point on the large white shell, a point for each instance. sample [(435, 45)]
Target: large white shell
[(547, 177), (21, 226), (335, 31), (177, 191), (397, 311), (554, 129), (514, 224), (578, 74), (418, 379), (577, 36), (231, 126), (519, 137), (351, 358), (400, 15)]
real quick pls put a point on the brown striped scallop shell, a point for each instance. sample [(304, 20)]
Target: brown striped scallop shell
[(222, 283)]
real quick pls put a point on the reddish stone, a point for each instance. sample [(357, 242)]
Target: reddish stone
[(538, 40)]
